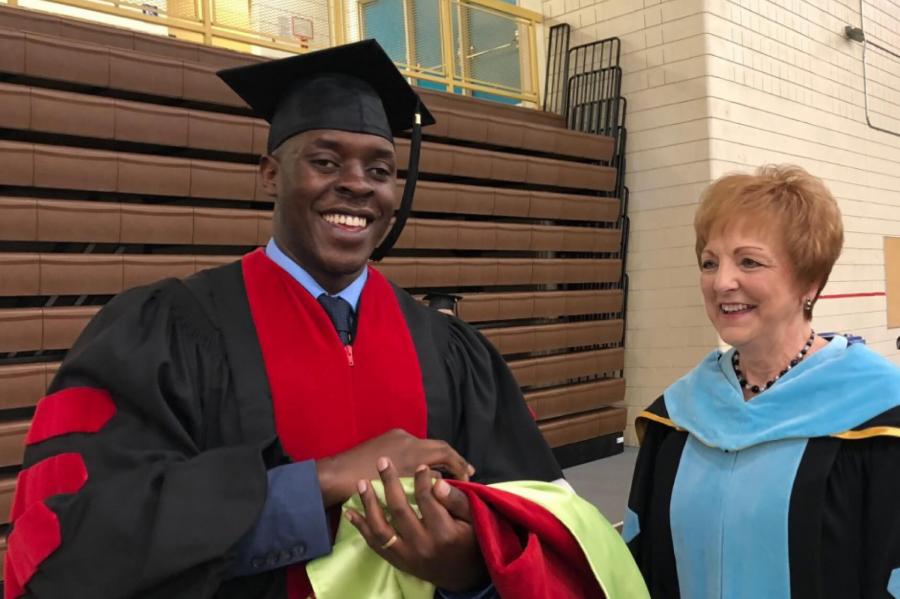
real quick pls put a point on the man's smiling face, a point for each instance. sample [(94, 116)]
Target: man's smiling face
[(335, 194)]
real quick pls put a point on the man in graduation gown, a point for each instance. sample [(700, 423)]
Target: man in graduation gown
[(200, 432)]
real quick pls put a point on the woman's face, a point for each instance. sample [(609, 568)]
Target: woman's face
[(751, 294)]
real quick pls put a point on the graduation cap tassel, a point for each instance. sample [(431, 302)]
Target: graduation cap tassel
[(412, 174)]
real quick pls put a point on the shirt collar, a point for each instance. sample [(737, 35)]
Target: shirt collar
[(350, 294)]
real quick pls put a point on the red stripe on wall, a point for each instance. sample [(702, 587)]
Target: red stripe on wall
[(846, 295)]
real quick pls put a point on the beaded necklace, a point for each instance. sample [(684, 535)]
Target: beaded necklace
[(756, 389)]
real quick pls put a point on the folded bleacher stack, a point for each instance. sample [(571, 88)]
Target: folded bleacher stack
[(584, 86)]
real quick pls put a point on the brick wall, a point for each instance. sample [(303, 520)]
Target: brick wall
[(788, 87), (715, 86)]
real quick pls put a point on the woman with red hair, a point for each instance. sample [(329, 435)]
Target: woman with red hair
[(771, 469)]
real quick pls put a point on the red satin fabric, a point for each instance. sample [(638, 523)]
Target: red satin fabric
[(528, 552), (323, 405)]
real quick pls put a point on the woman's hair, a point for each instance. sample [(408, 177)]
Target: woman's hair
[(797, 207)]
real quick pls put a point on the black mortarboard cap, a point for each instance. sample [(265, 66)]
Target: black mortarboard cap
[(354, 87)]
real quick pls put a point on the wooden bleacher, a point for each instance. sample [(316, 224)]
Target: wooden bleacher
[(124, 159)]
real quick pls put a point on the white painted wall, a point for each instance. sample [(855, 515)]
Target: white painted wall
[(715, 86)]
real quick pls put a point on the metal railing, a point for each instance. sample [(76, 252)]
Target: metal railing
[(593, 100), (555, 78), (584, 73), (484, 48), (584, 85)]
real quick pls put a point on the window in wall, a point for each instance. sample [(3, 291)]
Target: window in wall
[(485, 43)]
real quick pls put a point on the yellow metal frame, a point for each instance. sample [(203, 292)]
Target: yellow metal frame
[(498, 6), (206, 12), (203, 26), (206, 27), (447, 53), (133, 12), (338, 29), (510, 9)]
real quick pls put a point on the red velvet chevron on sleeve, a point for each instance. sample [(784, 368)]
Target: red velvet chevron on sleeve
[(36, 535), (528, 552), (63, 473), (72, 410), (35, 527)]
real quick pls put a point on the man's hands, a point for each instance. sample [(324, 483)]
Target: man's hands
[(338, 475), (440, 547)]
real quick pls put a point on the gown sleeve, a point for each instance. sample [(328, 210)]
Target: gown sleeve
[(124, 491), (646, 527), (881, 515), (495, 432)]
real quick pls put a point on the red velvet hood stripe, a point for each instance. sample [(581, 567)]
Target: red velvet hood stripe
[(323, 405)]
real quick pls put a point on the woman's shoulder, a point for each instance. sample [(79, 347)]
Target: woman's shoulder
[(885, 426), (871, 452), (654, 419)]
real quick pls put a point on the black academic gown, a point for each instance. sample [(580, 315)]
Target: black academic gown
[(178, 475), (842, 504)]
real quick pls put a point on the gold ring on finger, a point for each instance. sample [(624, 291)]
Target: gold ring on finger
[(389, 543)]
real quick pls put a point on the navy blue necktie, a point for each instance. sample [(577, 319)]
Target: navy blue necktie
[(341, 315)]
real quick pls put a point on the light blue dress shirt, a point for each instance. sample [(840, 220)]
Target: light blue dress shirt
[(350, 294)]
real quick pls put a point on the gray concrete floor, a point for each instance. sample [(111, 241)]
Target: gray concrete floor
[(605, 483)]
